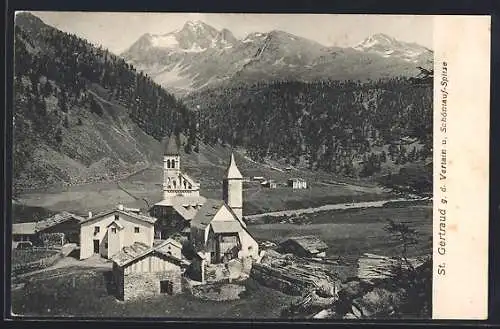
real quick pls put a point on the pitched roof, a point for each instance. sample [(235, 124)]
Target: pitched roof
[(138, 250), (171, 147), (169, 241), (226, 227), (233, 171), (130, 253), (57, 219), (182, 201), (297, 179), (140, 217), (24, 228), (207, 212), (309, 243), (120, 226)]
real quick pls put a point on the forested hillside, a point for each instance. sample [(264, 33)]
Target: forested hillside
[(77, 105), (349, 128)]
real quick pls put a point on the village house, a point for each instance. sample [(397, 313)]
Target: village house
[(107, 233), (218, 232), (269, 184), (181, 197), (303, 246), (142, 271), (55, 231), (22, 232), (297, 183)]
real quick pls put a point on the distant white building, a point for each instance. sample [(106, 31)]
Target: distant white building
[(297, 183), (269, 184)]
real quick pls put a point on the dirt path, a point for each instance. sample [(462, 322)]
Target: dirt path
[(66, 262), (337, 206)]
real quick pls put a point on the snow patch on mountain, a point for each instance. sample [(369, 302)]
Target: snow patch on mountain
[(164, 41)]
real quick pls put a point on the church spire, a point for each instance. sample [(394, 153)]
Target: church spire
[(171, 147), (233, 172)]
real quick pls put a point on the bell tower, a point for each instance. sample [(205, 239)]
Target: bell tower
[(232, 188), (171, 167)]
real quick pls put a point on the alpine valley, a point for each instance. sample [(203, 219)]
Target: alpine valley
[(83, 114)]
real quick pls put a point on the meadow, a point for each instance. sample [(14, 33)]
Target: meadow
[(349, 233)]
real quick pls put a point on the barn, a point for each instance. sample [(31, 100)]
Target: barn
[(304, 246), (64, 226), (140, 271), (54, 231)]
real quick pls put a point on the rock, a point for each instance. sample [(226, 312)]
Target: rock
[(235, 268), (349, 316), (324, 314)]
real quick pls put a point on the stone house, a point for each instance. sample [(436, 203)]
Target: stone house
[(107, 233), (140, 271)]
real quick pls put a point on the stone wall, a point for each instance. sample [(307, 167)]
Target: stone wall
[(140, 285)]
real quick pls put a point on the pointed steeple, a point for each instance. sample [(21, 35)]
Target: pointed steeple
[(171, 146), (233, 172)]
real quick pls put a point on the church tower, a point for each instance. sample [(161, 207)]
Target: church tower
[(232, 188), (171, 167)]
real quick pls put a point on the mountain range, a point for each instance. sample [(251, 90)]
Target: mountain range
[(198, 56)]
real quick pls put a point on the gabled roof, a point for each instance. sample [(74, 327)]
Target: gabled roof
[(226, 227), (171, 147), (207, 212), (232, 171), (169, 241), (297, 179), (127, 254), (139, 250), (140, 217), (115, 223), (182, 200), (24, 228), (57, 219)]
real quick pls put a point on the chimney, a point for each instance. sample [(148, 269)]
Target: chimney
[(120, 207), (90, 214)]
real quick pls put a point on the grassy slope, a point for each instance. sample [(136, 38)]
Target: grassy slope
[(103, 147)]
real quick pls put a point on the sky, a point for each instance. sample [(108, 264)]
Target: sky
[(118, 31)]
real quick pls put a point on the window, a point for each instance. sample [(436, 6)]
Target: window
[(173, 163), (97, 229), (117, 217), (136, 229), (168, 163), (113, 229), (106, 245)]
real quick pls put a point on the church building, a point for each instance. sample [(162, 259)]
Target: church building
[(181, 195), (218, 232)]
